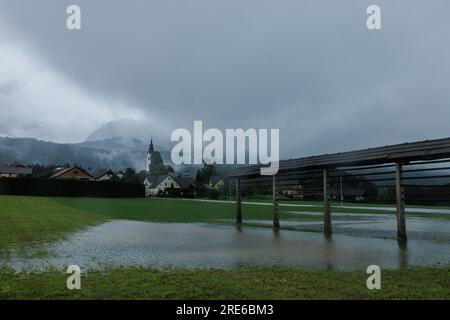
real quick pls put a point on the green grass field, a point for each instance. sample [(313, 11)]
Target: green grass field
[(240, 283), (27, 220)]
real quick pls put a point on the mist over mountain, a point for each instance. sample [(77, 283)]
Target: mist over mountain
[(116, 153), (6, 134), (127, 128)]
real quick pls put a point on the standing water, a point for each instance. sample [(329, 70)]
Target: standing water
[(188, 245)]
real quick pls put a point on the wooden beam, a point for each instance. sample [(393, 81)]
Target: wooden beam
[(276, 215), (327, 230), (238, 203), (400, 200)]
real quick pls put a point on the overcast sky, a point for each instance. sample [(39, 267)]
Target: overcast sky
[(310, 68)]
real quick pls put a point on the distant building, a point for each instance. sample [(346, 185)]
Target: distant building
[(71, 173), (103, 175), (291, 189), (216, 182), (349, 193), (156, 185), (187, 185), (161, 184), (167, 182), (168, 168), (15, 170), (120, 174)]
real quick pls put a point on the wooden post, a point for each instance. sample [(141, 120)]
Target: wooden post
[(276, 216), (238, 203), (327, 230), (400, 200)]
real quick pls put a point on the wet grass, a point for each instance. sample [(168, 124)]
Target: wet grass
[(26, 220), (240, 283), (191, 210), (168, 210), (32, 220)]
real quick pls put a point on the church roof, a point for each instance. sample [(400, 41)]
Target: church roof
[(101, 172), (15, 170), (185, 182), (155, 180), (63, 171)]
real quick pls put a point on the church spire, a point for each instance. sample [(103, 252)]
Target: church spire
[(150, 148)]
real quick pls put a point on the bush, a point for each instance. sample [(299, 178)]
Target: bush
[(69, 188), (214, 194)]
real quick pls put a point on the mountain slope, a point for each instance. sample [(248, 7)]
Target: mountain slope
[(115, 153)]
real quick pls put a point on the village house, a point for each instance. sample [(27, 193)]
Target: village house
[(15, 170), (291, 189), (159, 184), (349, 193), (103, 175), (120, 174), (71, 173), (216, 182)]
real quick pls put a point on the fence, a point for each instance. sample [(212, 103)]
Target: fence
[(69, 188)]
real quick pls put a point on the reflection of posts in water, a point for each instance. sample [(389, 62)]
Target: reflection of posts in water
[(276, 233), (400, 201), (328, 251), (402, 254), (238, 203)]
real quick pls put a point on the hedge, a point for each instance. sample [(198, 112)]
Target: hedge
[(69, 188)]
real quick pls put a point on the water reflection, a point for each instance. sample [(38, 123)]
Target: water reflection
[(402, 253), (328, 251)]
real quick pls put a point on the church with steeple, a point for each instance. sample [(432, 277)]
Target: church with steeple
[(155, 164), (161, 179)]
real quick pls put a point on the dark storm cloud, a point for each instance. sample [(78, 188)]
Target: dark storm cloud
[(310, 68)]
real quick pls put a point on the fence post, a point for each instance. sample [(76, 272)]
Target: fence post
[(327, 230), (400, 200), (276, 215), (238, 202)]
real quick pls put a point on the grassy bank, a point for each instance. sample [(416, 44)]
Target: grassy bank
[(24, 220), (242, 283)]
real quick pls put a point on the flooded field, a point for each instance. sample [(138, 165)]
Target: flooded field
[(372, 225), (189, 245)]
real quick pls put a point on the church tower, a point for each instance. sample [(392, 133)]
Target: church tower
[(149, 155)]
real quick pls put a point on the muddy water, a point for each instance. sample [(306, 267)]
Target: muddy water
[(132, 243)]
